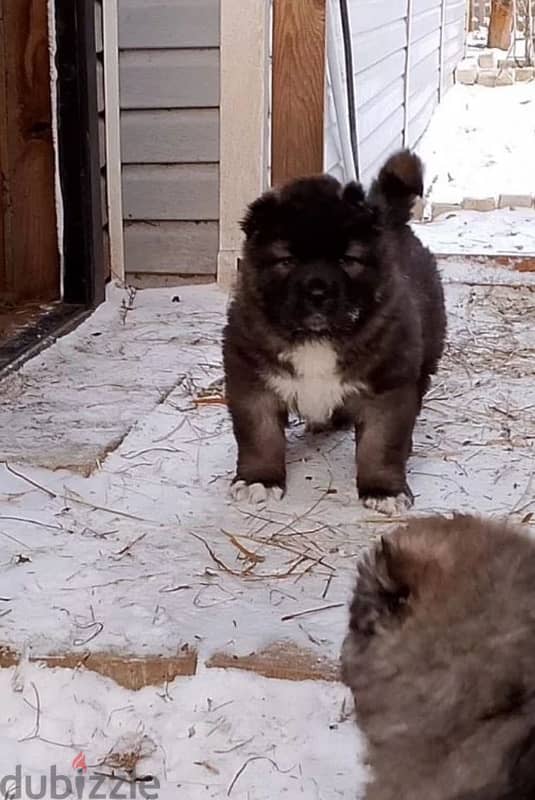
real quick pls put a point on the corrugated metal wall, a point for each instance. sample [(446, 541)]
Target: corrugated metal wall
[(169, 85), (404, 54)]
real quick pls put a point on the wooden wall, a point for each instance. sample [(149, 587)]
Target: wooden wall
[(29, 259), (169, 83)]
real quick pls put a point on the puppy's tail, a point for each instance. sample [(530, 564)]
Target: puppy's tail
[(397, 186)]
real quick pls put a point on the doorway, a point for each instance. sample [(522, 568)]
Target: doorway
[(51, 262)]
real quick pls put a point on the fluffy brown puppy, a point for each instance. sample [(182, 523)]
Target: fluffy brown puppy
[(338, 316), (440, 657)]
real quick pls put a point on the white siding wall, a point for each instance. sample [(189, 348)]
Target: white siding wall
[(396, 89), (169, 84)]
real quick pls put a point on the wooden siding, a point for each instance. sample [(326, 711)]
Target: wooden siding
[(385, 74), (169, 78)]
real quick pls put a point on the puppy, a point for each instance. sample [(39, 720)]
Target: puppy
[(338, 316), (440, 657)]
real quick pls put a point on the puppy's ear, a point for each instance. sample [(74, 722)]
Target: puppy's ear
[(353, 194), (399, 183), (261, 214), (381, 594)]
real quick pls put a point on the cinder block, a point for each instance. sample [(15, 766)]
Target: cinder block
[(515, 201), (437, 209), (487, 77), (479, 203), (488, 60), (505, 77), (418, 209), (466, 75), (523, 74)]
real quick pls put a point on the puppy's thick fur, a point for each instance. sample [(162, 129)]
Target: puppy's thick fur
[(440, 657), (339, 316)]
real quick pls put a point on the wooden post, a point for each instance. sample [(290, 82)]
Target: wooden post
[(299, 36), (501, 24), (31, 254)]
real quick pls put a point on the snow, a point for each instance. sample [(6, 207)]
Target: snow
[(118, 535), (480, 143), (504, 231), (210, 736)]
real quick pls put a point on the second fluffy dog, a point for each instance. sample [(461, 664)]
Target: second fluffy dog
[(440, 657)]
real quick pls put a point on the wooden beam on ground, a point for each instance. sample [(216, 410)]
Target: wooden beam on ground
[(511, 263), (130, 672), (299, 36), (282, 660)]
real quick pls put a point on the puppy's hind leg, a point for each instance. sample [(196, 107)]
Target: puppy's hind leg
[(259, 419)]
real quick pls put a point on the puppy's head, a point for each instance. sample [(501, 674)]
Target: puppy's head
[(310, 256), (443, 605)]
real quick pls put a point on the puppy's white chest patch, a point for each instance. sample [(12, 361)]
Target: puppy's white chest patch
[(315, 389)]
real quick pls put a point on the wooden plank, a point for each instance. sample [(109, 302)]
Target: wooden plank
[(171, 248), (169, 79), (32, 259), (130, 672), (113, 140), (283, 661), (170, 137), (145, 24), (298, 88), (178, 192)]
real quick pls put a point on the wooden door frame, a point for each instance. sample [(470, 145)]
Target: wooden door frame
[(30, 266), (299, 75), (244, 126), (82, 246)]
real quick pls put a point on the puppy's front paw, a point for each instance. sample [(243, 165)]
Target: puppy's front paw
[(254, 493), (390, 505)]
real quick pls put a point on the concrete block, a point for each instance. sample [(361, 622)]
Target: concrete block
[(479, 203), (515, 201), (505, 77), (488, 60), (437, 209), (466, 75), (487, 77), (523, 74), (418, 209)]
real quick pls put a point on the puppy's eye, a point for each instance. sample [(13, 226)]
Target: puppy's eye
[(285, 262)]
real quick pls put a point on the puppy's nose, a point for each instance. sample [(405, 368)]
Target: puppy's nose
[(318, 291)]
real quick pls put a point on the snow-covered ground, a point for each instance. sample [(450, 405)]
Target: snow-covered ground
[(215, 735), (480, 143), (479, 147), (501, 232), (117, 536)]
